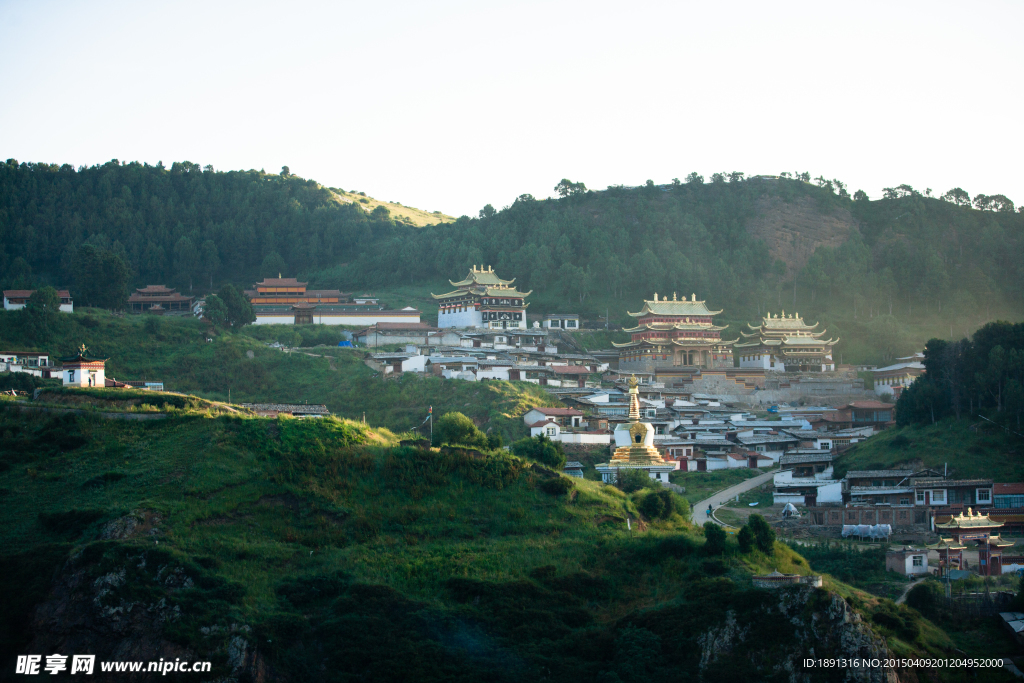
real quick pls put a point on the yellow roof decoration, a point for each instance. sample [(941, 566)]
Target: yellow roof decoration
[(674, 307), (970, 520), (482, 276)]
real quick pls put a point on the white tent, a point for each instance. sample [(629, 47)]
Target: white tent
[(874, 531), (790, 511)]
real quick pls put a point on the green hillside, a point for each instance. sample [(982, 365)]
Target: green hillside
[(321, 551), (175, 350), (884, 276)]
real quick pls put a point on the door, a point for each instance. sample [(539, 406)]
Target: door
[(811, 499), (702, 465)]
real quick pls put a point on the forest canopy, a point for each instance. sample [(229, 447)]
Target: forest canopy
[(196, 228)]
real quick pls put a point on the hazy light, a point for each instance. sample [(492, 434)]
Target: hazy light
[(451, 105)]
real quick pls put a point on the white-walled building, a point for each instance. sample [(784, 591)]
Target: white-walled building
[(16, 299), (83, 371), (483, 299)]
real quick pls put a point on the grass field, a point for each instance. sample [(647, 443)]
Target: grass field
[(408, 214), (241, 366), (967, 449)]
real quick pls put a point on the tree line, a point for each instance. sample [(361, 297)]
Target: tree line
[(107, 228), (965, 379)]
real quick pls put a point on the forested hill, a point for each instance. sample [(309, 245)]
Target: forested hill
[(743, 244)]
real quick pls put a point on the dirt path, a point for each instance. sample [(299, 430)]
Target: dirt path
[(903, 596), (700, 510)]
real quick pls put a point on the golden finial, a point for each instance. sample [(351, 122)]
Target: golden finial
[(673, 296), (279, 276), (81, 349), (655, 296), (693, 297), (783, 312), (633, 381)]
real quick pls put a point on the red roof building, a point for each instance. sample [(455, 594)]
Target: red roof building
[(16, 299), (160, 298)]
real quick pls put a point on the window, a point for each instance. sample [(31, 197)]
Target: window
[(920, 496), (984, 496), (917, 561), (551, 431), (827, 445), (904, 501), (939, 496)]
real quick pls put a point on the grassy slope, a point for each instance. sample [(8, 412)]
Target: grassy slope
[(986, 451), (319, 533), (408, 214), (175, 350)]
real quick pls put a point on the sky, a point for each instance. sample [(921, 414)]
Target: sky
[(453, 105)]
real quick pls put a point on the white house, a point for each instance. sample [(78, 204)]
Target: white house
[(907, 561), (568, 417), (16, 299), (564, 321)]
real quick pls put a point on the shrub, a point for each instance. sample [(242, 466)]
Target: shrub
[(542, 450), (658, 504), (632, 481), (764, 535), (556, 486), (745, 539), (923, 598), (456, 428), (714, 536)]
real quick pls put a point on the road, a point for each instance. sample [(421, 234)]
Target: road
[(700, 510)]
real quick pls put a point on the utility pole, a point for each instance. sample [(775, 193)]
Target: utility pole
[(430, 416)]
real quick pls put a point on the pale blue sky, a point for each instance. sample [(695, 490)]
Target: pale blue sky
[(452, 105)]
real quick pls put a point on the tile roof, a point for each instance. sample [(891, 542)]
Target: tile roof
[(864, 474), (1007, 489), (564, 412), (797, 458)]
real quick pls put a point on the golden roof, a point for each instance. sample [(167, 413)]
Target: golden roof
[(482, 277), (945, 544), (971, 520), (659, 327), (674, 342), (673, 307)]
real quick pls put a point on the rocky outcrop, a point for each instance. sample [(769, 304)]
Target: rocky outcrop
[(128, 609), (793, 230), (826, 627)]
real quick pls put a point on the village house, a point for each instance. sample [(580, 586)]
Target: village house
[(907, 561), (1008, 496), (563, 321), (565, 417), (891, 379), (417, 333), (34, 363), (874, 414), (952, 493), (16, 299), (806, 479)]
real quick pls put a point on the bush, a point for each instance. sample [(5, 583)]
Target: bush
[(745, 539), (556, 486), (714, 536), (763, 535), (633, 480), (924, 599), (659, 505), (540, 449), (456, 428)]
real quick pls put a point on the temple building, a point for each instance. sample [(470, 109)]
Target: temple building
[(482, 299), (972, 527), (286, 301), (785, 344), (674, 334), (81, 371), (634, 441), (159, 299)]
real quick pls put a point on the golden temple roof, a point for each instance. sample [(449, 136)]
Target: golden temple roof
[(945, 544), (970, 520), (676, 326), (485, 291), (674, 342), (482, 277), (673, 307)]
